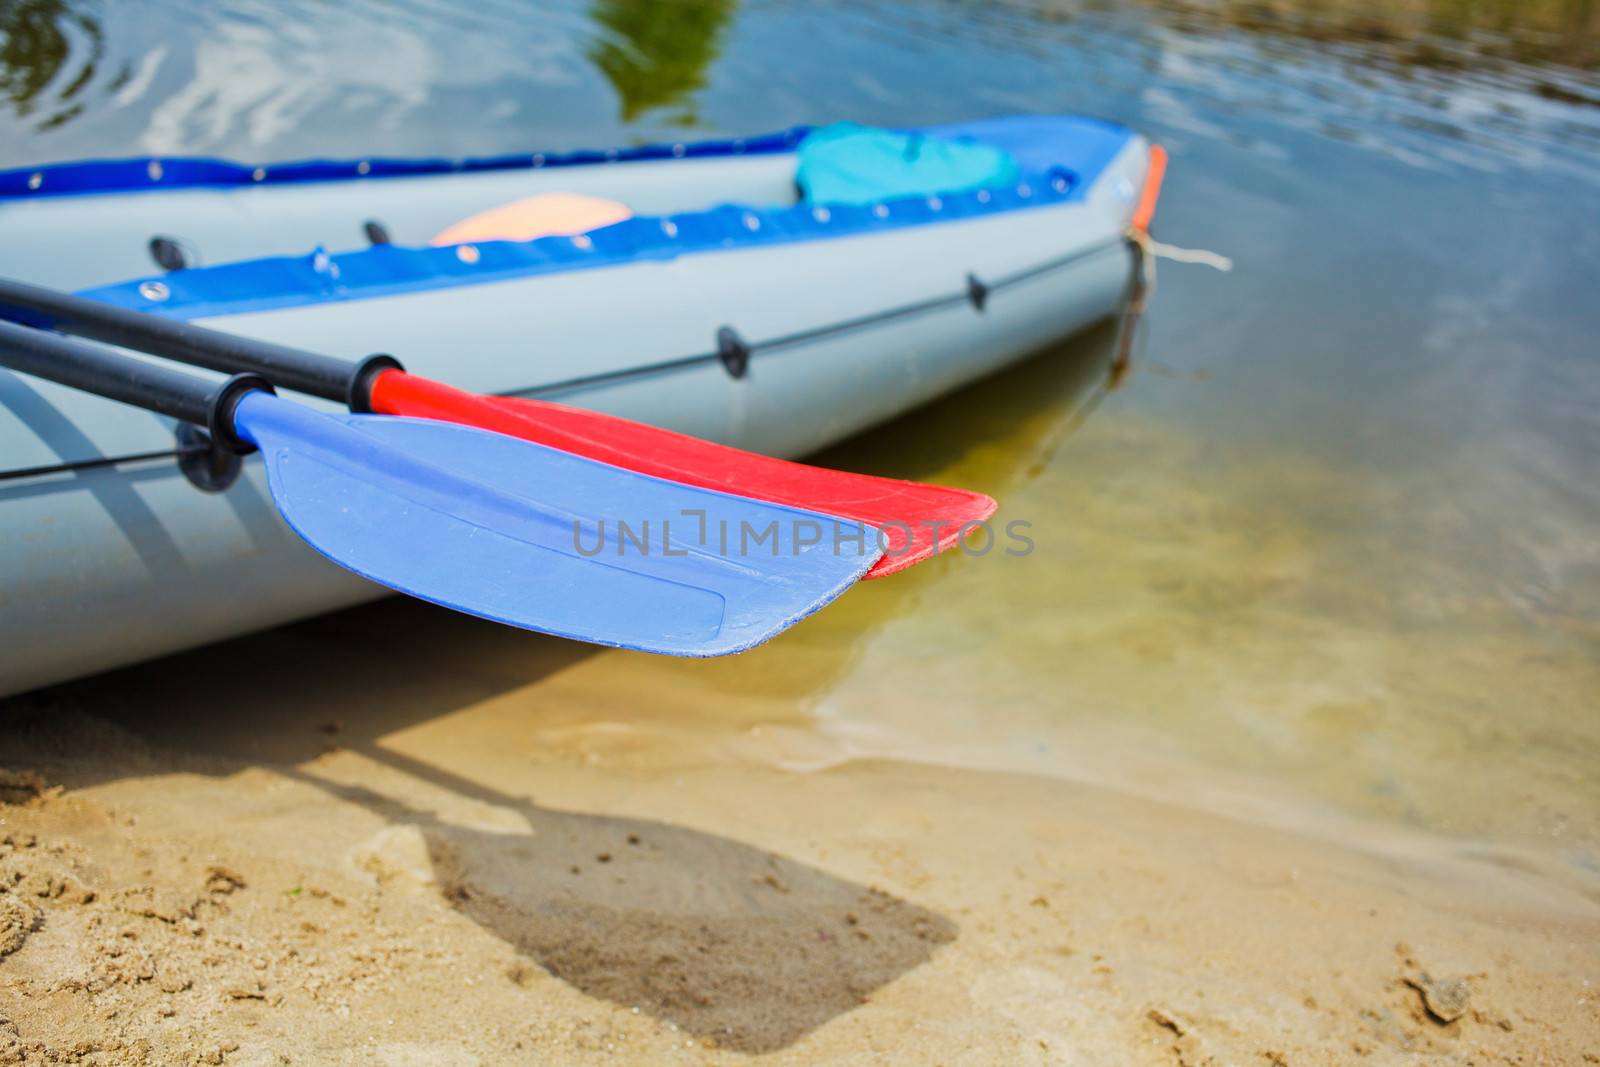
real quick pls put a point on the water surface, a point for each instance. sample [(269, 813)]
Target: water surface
[(1337, 535)]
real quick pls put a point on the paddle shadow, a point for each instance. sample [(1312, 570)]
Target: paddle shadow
[(146, 533), (117, 490), (736, 945)]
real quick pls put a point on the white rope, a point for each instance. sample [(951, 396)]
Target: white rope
[(1213, 260), (1200, 256), (1152, 250)]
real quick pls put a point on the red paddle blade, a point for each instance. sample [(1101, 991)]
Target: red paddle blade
[(917, 520)]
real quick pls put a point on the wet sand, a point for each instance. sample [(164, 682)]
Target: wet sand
[(511, 863)]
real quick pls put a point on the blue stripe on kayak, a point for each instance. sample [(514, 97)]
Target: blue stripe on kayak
[(155, 173), (278, 282)]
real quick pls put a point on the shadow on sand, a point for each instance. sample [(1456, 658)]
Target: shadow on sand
[(727, 941)]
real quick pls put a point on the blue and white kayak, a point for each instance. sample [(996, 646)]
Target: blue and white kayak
[(727, 306)]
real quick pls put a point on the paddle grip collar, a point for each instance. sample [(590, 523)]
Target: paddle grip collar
[(358, 392), (223, 404)]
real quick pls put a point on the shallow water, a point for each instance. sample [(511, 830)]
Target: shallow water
[(1337, 537)]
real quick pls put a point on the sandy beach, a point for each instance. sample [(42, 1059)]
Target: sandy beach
[(468, 869)]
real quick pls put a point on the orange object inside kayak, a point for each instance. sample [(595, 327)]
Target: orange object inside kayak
[(546, 215)]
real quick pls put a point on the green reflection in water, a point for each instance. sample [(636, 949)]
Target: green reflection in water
[(655, 53), (43, 42)]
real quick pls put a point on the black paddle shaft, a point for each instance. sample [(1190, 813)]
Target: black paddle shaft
[(292, 368), (104, 372)]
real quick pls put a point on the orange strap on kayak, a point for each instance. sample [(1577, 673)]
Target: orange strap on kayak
[(1151, 191)]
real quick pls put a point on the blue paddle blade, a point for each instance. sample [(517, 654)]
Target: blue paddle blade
[(538, 538)]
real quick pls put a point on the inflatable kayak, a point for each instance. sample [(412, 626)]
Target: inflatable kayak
[(730, 301)]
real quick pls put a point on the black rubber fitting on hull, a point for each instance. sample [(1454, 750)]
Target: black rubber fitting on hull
[(734, 352)]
